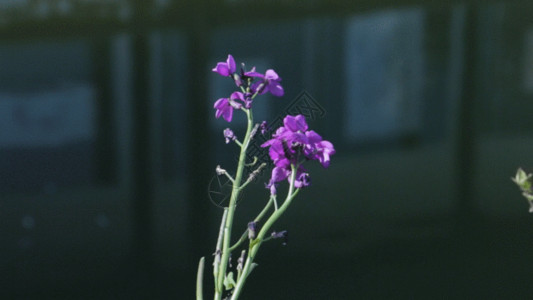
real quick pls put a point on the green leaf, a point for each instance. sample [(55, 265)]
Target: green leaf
[(229, 282)]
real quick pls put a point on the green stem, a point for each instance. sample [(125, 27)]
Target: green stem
[(218, 249), (256, 244), (257, 219), (265, 209), (231, 208), (200, 279)]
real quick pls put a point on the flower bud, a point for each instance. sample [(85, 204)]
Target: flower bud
[(252, 227), (237, 79), (229, 135), (220, 171)]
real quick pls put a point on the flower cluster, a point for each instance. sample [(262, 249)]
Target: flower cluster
[(251, 83), (290, 146)]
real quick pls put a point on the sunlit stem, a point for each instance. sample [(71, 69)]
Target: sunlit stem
[(231, 208), (200, 280), (218, 250), (257, 219), (256, 243)]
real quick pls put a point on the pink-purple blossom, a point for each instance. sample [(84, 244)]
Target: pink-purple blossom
[(293, 144), (226, 68), (270, 83), (224, 106), (251, 83)]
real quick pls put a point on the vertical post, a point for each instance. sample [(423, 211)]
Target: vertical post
[(142, 171)]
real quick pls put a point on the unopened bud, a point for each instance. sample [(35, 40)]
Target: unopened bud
[(252, 226), (229, 135), (237, 79), (220, 171), (240, 261)]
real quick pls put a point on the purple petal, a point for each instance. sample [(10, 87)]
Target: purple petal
[(258, 86), (294, 137), (269, 142), (222, 69), (227, 114), (325, 150), (302, 178), (282, 162), (237, 95), (280, 131), (253, 73), (276, 89), (221, 103), (272, 75), (276, 151), (295, 123), (231, 64), (279, 174), (224, 109), (313, 137)]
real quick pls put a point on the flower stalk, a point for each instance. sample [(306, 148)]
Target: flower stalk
[(231, 208), (290, 146)]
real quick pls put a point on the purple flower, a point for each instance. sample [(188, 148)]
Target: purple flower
[(270, 83), (224, 109), (318, 149), (226, 68), (292, 144), (302, 178), (225, 106)]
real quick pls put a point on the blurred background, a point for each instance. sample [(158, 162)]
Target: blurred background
[(108, 146)]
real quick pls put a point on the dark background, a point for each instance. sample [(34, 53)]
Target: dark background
[(108, 145)]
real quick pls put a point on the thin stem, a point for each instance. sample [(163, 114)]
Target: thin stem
[(253, 175), (265, 209), (256, 244), (200, 280), (229, 177), (239, 242), (218, 250), (231, 208), (257, 219)]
